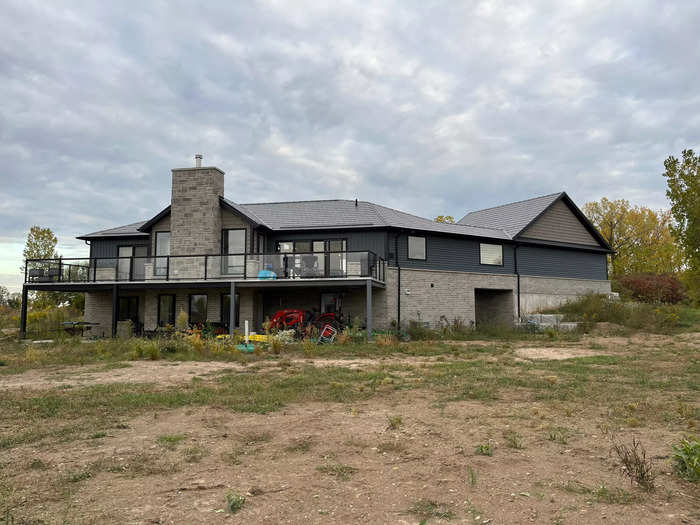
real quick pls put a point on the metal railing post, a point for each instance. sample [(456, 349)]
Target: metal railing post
[(206, 259), (167, 268), (245, 265)]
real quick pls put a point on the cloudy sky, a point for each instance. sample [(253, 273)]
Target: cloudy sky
[(430, 107)]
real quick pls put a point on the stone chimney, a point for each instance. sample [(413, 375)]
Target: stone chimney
[(195, 214)]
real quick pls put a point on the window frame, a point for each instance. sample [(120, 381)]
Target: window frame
[(189, 307), (425, 248), (326, 245), (158, 269), (129, 298), (224, 241), (481, 260), (173, 313)]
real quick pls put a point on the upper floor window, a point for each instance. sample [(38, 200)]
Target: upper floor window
[(416, 248), (234, 241), (491, 254), (162, 251)]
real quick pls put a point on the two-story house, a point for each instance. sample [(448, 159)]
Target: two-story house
[(204, 253)]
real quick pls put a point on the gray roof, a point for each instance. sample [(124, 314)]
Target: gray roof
[(500, 222), (327, 214), (513, 217), (128, 230)]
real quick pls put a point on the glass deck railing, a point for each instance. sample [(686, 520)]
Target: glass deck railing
[(267, 266)]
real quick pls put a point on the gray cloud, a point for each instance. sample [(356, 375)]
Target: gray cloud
[(439, 109)]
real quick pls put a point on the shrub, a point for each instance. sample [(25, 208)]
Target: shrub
[(686, 458), (484, 449), (651, 288), (234, 502), (183, 321), (418, 331), (386, 340), (636, 465), (601, 308)]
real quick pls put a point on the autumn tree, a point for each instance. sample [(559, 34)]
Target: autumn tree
[(641, 237), (683, 180), (447, 219), (41, 244)]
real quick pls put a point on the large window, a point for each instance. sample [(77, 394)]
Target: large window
[(129, 309), (162, 252), (491, 254), (226, 309), (416, 248), (198, 308), (233, 248), (166, 310)]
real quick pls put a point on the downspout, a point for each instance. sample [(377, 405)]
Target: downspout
[(398, 282), (517, 275)]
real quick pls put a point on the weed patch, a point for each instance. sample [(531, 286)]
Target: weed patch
[(686, 459), (635, 464), (427, 508), (170, 441), (338, 470)]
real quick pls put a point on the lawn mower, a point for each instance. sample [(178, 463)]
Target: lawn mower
[(300, 320)]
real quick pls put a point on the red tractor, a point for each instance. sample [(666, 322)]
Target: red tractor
[(301, 320)]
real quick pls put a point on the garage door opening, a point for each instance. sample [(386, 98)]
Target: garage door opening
[(493, 307)]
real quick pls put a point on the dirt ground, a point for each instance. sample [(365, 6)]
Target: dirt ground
[(274, 459), (345, 462)]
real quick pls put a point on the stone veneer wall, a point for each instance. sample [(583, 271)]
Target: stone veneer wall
[(452, 294), (427, 295), (195, 213), (98, 309), (538, 293)]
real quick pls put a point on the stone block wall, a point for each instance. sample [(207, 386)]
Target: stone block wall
[(538, 293), (428, 295), (98, 309), (195, 214)]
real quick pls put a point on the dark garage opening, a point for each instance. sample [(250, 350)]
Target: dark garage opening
[(493, 307)]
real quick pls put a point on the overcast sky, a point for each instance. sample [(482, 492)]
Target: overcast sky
[(429, 107)]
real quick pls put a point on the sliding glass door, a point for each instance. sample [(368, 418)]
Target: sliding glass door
[(234, 242)]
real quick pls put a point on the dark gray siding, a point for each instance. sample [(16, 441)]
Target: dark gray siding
[(109, 247), (370, 240), (559, 262), (453, 253)]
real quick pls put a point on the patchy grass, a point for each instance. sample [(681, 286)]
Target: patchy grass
[(337, 470), (170, 441), (427, 508), (394, 422), (484, 449)]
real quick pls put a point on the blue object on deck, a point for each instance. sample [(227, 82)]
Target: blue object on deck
[(267, 273)]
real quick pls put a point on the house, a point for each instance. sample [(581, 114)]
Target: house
[(371, 262)]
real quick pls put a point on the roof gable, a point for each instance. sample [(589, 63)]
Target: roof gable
[(558, 223), (513, 217)]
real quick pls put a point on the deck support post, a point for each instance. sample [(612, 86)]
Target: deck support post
[(23, 314), (368, 311), (232, 310), (115, 309)]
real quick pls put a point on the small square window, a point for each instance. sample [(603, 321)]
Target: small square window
[(416, 248), (491, 254)]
